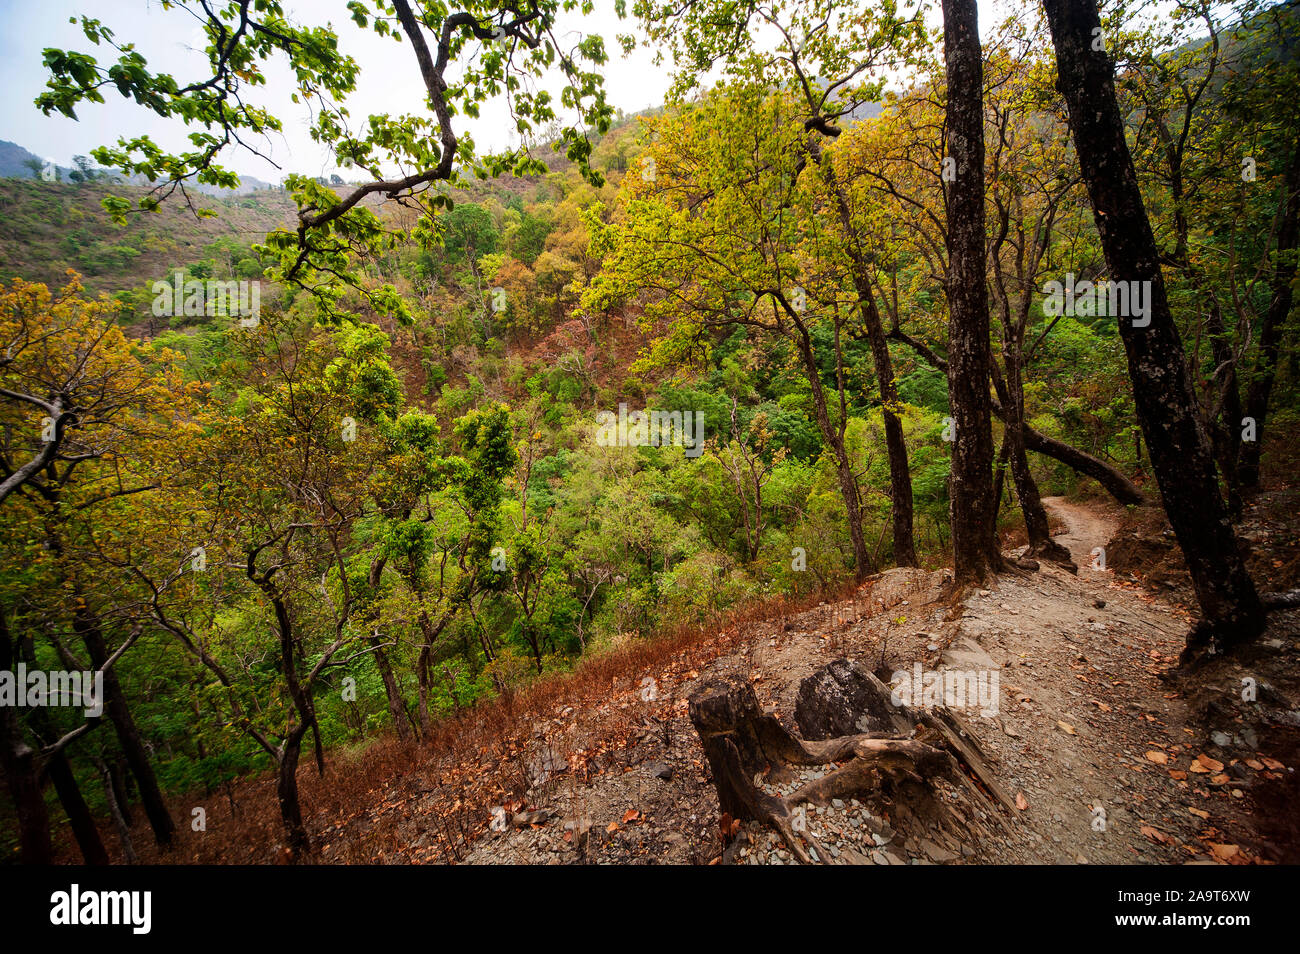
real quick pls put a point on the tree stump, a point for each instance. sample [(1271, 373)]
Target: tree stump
[(904, 754)]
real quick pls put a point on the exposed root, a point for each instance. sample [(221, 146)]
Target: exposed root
[(743, 744)]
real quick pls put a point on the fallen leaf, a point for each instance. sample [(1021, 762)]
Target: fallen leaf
[(1224, 852), (1204, 765), (1274, 764), (631, 815), (1257, 765), (1198, 813), (1022, 803), (1066, 728), (1178, 775), (1220, 779), (1155, 834), (613, 827), (1160, 758)]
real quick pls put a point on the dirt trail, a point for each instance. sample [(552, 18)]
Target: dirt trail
[(1088, 526), (1084, 713), (1103, 755)]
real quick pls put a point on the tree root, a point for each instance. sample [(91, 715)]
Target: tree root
[(744, 744)]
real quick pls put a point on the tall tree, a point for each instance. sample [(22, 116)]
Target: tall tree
[(1162, 387), (973, 509)]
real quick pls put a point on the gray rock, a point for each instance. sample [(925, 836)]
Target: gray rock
[(844, 698)]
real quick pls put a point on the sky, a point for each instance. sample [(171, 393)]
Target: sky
[(171, 42), (169, 39)]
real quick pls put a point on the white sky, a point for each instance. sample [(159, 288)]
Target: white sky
[(389, 79)]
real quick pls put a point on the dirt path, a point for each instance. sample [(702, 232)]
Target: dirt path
[(1087, 732), (1088, 526), (1104, 756)]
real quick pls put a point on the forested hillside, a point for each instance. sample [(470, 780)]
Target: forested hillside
[(402, 511)]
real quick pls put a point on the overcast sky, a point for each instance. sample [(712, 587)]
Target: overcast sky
[(171, 42)]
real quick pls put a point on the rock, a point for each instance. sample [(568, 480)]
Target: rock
[(1099, 603), (844, 698), (581, 823), (662, 770), (936, 853), (545, 763), (524, 819), (966, 655), (907, 585)]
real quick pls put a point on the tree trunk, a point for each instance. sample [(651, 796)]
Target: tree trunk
[(79, 817), (22, 775), (430, 632), (59, 771), (1012, 391), (863, 565), (1279, 306), (1162, 387), (900, 477), (115, 809), (1224, 426), (971, 508), (128, 736), (287, 793), (1118, 485), (394, 694)]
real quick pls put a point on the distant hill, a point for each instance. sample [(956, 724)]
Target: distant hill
[(49, 227), (14, 161)]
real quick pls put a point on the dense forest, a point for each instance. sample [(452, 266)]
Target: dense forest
[(345, 462)]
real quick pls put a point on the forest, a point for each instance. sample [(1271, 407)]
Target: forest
[(383, 468)]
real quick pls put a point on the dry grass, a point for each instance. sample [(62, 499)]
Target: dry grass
[(392, 801)]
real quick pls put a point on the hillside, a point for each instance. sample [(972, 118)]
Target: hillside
[(47, 228), (604, 766), (816, 469)]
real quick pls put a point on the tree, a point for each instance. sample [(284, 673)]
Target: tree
[(718, 235), (1162, 389), (109, 406), (973, 508), (491, 48)]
